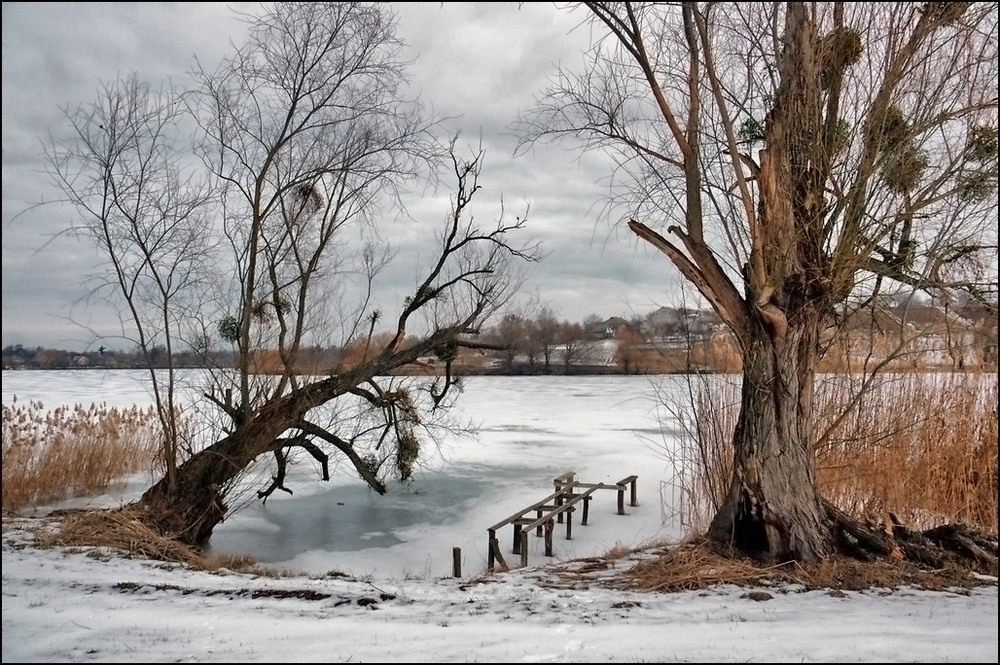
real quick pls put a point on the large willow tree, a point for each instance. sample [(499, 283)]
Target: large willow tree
[(790, 159)]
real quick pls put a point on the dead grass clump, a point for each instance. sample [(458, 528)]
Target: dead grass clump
[(853, 575), (120, 530), (687, 567), (694, 566), (50, 455), (617, 552)]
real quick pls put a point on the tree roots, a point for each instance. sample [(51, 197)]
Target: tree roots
[(938, 547)]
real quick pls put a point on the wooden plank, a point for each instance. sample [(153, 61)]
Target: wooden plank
[(531, 520), (563, 508), (564, 479), (598, 485), (564, 482), (533, 506), (633, 501)]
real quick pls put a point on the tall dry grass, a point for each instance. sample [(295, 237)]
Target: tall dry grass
[(49, 455), (919, 446)]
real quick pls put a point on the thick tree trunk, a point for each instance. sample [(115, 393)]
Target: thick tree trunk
[(190, 511), (773, 508)]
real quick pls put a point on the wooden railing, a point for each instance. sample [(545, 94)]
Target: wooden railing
[(556, 507)]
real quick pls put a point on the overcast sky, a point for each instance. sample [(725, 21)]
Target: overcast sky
[(481, 62)]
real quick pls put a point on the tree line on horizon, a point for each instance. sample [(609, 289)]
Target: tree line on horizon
[(520, 342), (964, 336)]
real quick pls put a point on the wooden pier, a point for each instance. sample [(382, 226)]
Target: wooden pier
[(556, 508)]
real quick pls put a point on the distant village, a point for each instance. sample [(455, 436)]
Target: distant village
[(667, 340)]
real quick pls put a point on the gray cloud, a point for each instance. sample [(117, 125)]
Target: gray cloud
[(479, 64)]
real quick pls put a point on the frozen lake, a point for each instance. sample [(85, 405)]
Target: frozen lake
[(530, 430)]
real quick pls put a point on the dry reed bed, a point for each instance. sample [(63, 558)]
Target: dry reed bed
[(921, 447), (49, 455)]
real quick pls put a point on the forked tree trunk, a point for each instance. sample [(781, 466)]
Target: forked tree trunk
[(773, 507)]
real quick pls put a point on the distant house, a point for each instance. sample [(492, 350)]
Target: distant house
[(919, 335), (606, 329), (665, 323), (940, 337), (709, 322), (983, 320), (680, 325)]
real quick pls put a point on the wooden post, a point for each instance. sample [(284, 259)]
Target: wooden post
[(538, 529), (586, 510), (569, 523), (490, 558), (524, 549), (456, 561), (549, 528), (567, 478), (621, 499), (517, 537), (632, 495), (497, 555)]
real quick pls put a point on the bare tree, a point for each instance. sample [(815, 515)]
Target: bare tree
[(592, 323), (627, 352), (123, 171), (547, 335), (576, 348), (308, 140), (509, 334), (795, 157)]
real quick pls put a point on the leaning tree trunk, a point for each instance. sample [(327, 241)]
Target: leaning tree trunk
[(773, 507), (189, 509)]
